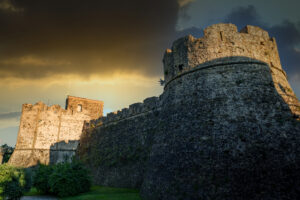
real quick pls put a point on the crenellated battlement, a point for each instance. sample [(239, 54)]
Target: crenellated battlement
[(149, 104), (219, 41), (74, 105), (43, 107), (224, 40)]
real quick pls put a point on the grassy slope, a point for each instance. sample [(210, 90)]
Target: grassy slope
[(102, 193)]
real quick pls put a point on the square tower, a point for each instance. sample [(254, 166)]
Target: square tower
[(92, 108)]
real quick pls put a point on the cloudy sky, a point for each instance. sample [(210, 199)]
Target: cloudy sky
[(111, 50)]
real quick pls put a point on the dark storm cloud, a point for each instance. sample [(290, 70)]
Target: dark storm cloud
[(9, 115), (241, 15), (287, 35), (8, 6), (43, 38)]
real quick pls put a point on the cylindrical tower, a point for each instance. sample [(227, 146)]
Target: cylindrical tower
[(229, 121), (224, 40)]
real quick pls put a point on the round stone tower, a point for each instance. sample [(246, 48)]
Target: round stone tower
[(229, 120), (222, 41)]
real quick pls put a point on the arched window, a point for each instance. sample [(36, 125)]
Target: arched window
[(79, 108)]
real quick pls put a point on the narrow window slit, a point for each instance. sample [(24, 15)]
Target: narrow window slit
[(180, 67)]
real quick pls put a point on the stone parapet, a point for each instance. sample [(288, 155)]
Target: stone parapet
[(220, 40), (149, 104)]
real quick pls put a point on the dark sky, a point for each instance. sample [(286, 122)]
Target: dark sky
[(112, 49), (51, 37), (286, 32)]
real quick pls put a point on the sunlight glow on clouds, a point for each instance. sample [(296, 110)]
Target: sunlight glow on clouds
[(117, 91), (32, 60)]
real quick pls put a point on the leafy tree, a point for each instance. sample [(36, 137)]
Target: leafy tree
[(41, 178), (12, 182), (7, 151), (68, 179)]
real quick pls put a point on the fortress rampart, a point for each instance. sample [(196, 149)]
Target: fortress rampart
[(225, 94), (49, 134), (134, 110)]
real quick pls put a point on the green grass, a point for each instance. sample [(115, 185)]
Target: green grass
[(100, 192), (32, 192)]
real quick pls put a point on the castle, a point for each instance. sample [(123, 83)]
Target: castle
[(226, 103)]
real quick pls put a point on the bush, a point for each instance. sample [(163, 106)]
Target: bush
[(12, 182), (41, 178), (68, 179), (7, 152), (29, 172), (63, 179)]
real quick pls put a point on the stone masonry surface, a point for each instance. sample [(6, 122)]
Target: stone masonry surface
[(225, 127), (1, 155), (50, 134)]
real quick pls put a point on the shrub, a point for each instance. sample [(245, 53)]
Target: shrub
[(68, 179), (63, 179), (29, 172), (7, 152), (12, 182), (41, 178)]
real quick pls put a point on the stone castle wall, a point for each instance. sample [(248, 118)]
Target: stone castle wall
[(219, 104), (120, 149), (123, 158), (134, 110), (48, 134)]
